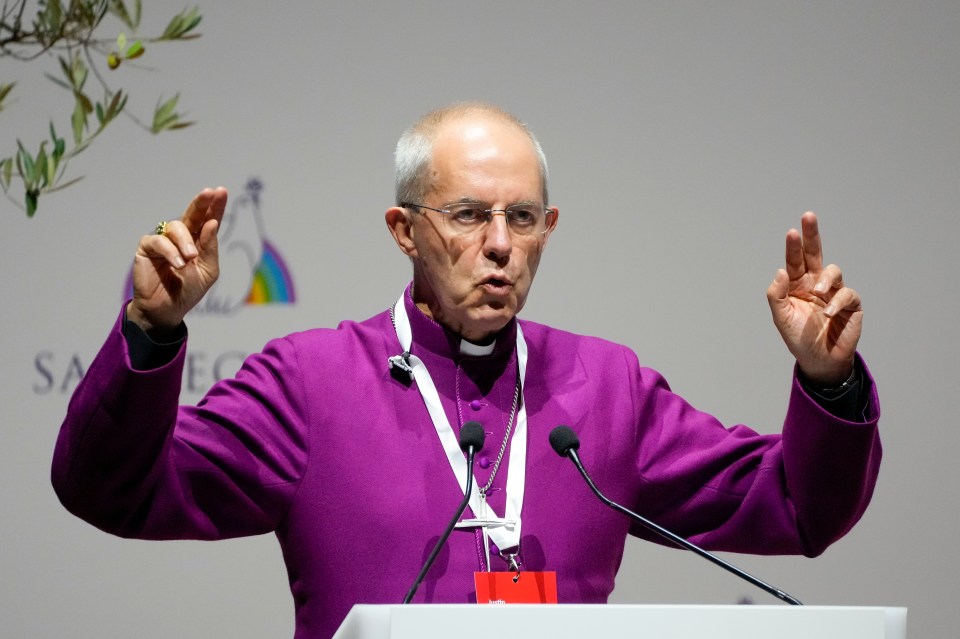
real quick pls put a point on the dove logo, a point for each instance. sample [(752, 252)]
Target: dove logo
[(252, 271)]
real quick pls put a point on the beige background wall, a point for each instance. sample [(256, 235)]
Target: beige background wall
[(685, 138)]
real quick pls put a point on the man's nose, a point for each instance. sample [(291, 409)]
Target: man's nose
[(497, 241)]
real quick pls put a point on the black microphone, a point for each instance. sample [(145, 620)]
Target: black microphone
[(471, 440), (565, 442)]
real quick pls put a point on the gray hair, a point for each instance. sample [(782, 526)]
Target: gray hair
[(414, 150)]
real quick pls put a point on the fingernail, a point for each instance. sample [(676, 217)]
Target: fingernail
[(178, 262), (821, 287), (830, 310)]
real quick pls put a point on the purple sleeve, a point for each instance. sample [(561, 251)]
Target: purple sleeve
[(735, 490), (831, 465), (131, 462)]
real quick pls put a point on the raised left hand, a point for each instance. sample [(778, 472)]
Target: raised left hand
[(818, 316)]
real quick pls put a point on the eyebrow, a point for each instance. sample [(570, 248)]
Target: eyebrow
[(470, 200)]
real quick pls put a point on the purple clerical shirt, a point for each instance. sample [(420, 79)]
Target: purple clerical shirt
[(318, 442)]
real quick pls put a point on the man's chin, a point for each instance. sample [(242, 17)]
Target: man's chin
[(487, 322)]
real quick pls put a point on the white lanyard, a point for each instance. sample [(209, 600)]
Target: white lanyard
[(504, 531)]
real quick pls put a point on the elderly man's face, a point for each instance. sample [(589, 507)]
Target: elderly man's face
[(474, 284)]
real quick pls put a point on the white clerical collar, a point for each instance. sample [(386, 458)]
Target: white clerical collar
[(476, 350)]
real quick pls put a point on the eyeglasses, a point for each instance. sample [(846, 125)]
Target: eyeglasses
[(465, 218)]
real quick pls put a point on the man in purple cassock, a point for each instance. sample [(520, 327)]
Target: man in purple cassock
[(342, 441)]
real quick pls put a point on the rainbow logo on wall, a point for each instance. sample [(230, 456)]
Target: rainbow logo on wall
[(272, 283)]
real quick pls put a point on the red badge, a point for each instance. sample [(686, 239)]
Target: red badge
[(531, 587)]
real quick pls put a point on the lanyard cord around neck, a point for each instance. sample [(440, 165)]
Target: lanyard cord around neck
[(504, 531)]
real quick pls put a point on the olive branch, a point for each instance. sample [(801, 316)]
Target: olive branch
[(68, 32)]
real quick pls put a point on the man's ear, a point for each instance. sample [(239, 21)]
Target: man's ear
[(551, 223), (400, 222)]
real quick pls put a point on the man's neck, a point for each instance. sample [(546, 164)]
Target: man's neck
[(478, 339)]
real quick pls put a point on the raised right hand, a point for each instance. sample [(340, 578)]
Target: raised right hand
[(173, 271)]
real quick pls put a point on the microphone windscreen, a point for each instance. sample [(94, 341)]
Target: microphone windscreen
[(471, 435), (562, 438)]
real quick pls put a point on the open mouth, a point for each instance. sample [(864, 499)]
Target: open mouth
[(497, 284)]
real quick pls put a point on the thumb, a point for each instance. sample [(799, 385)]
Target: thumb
[(778, 295)]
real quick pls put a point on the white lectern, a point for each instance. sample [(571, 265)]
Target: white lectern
[(612, 621)]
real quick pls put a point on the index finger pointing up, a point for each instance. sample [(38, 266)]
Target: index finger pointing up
[(794, 255), (209, 204)]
